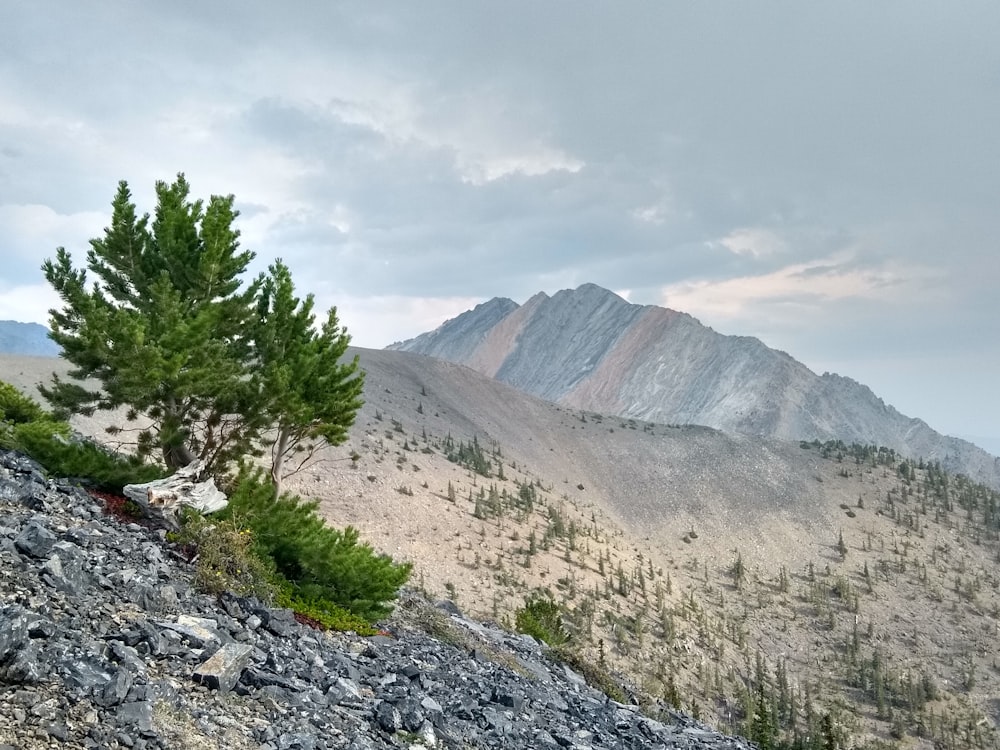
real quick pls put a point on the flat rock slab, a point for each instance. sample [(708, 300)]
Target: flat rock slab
[(222, 670), (199, 631)]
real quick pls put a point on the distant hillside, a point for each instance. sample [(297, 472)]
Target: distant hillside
[(691, 560), (590, 349), (26, 338)]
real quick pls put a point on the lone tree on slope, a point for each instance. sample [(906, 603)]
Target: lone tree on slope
[(205, 365)]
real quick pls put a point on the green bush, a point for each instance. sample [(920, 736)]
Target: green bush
[(50, 443), (17, 408), (324, 567), (541, 618), (324, 612), (28, 428), (227, 558)]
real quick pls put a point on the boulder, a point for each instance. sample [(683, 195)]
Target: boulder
[(222, 670)]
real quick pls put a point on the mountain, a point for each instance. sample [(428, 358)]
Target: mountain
[(26, 338), (589, 349), (718, 570)]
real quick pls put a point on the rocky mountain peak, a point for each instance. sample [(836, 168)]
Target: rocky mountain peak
[(590, 349)]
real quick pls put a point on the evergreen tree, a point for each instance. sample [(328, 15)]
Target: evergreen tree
[(738, 571), (168, 332), (319, 565), (162, 328), (310, 395)]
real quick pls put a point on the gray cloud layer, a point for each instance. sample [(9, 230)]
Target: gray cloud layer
[(821, 176)]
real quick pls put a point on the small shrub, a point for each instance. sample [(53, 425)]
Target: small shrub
[(322, 612), (227, 559), (17, 408), (324, 566), (541, 618)]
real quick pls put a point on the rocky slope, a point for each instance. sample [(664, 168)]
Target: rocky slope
[(636, 527), (590, 349), (104, 643)]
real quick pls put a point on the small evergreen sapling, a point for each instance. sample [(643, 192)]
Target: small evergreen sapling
[(322, 567)]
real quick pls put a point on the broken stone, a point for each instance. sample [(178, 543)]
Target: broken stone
[(222, 670), (35, 540), (199, 631)]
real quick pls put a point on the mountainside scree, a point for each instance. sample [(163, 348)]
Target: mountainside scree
[(104, 643)]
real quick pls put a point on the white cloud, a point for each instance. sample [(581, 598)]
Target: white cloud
[(28, 304), (755, 242), (375, 322), (33, 232), (478, 169), (807, 285)]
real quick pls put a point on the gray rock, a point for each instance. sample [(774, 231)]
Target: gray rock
[(281, 622), (508, 698), (198, 631), (115, 690), (83, 675), (127, 657), (24, 667), (35, 540), (137, 716), (296, 741), (14, 623), (411, 714), (65, 572), (388, 717), (222, 670), (432, 709)]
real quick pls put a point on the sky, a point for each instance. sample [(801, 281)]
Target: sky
[(823, 176)]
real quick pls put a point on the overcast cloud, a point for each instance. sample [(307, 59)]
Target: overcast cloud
[(824, 176)]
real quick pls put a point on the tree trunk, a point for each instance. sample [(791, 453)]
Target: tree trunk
[(176, 453), (278, 458), (177, 456)]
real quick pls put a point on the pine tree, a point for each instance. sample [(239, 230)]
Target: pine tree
[(162, 329), (311, 396), (738, 571), (169, 331)]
